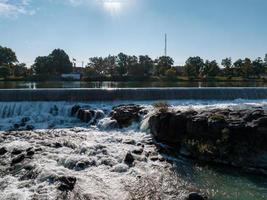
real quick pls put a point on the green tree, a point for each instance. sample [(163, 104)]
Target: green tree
[(171, 74), (91, 72), (134, 68), (4, 72), (42, 65), (265, 59), (193, 66), (110, 65), (211, 69), (60, 62), (227, 64), (56, 63), (163, 63), (7, 56), (258, 67), (247, 69), (238, 67), (97, 63), (146, 64), (20, 70), (122, 61)]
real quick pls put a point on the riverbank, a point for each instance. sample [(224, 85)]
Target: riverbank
[(48, 78)]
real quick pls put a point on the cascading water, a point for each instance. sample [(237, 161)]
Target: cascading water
[(94, 155)]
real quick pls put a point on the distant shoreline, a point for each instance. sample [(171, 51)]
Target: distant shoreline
[(134, 79)]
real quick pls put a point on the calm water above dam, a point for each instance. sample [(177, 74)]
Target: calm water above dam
[(132, 84)]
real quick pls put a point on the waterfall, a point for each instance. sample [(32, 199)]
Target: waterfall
[(133, 94)]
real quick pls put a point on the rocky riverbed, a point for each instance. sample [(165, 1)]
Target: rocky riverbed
[(78, 163), (131, 151)]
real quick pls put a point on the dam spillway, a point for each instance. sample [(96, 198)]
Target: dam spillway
[(132, 94)]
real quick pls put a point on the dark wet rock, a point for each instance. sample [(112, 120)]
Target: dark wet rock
[(99, 114), (82, 165), (110, 124), (16, 126), (154, 158), (196, 196), (129, 141), (120, 168), (74, 110), (30, 153), (38, 149), (129, 159), (67, 183), (29, 149), (16, 151), (29, 127), (125, 115), (25, 119), (22, 124), (108, 162), (254, 115), (3, 151), (54, 110), (18, 159), (138, 151), (161, 158), (85, 115), (168, 127), (57, 145), (233, 137), (28, 167), (260, 124), (197, 126)]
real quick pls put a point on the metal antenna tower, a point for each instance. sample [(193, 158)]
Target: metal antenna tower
[(165, 50)]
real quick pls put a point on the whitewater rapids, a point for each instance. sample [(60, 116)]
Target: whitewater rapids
[(63, 146)]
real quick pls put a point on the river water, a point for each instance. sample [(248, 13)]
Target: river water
[(65, 142), (130, 84)]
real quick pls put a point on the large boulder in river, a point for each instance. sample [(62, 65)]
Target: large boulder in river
[(85, 115), (234, 137), (125, 115), (169, 127), (74, 110)]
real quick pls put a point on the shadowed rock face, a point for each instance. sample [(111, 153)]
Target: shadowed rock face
[(234, 137), (120, 116), (125, 115)]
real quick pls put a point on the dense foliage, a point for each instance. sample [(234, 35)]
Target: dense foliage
[(122, 66), (56, 63)]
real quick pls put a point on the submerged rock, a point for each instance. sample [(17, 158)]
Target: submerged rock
[(196, 196), (67, 183), (29, 127), (85, 115), (74, 110), (120, 168), (18, 159), (129, 159), (3, 151), (138, 151), (16, 151)]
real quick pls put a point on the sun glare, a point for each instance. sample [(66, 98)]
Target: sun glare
[(113, 6)]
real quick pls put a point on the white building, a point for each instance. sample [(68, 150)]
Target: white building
[(72, 76)]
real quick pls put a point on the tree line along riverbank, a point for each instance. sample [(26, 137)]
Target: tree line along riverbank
[(123, 67)]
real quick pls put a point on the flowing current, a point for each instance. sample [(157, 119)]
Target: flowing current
[(94, 155)]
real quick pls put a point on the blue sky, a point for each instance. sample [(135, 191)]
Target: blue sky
[(212, 29)]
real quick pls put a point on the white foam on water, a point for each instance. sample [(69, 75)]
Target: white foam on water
[(105, 176)]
